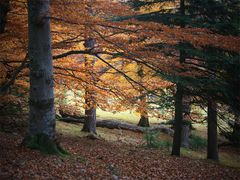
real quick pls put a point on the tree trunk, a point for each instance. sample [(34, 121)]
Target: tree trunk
[(4, 8), (178, 121), (144, 121), (90, 95), (236, 130), (41, 132), (185, 135), (178, 99), (186, 121), (90, 120), (212, 148)]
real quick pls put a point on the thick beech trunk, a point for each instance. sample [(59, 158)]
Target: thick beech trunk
[(4, 8), (41, 102), (41, 132), (178, 121), (212, 148)]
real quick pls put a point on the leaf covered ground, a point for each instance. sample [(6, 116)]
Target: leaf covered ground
[(101, 159)]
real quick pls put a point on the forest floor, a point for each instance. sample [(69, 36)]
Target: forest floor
[(117, 154)]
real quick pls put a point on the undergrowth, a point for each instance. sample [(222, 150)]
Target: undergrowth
[(197, 142), (152, 140)]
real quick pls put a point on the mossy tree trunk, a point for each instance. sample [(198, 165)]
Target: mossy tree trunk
[(41, 132), (212, 147)]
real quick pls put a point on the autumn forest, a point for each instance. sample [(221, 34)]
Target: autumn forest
[(119, 89)]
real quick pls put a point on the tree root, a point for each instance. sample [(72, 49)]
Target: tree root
[(45, 145)]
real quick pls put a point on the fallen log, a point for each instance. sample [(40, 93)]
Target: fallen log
[(112, 124)]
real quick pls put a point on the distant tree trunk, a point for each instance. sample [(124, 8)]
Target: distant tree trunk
[(90, 95), (144, 120), (90, 121), (186, 119), (185, 135), (41, 132), (4, 8), (212, 148), (178, 121), (90, 112)]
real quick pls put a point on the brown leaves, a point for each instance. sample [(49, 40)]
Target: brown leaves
[(100, 159)]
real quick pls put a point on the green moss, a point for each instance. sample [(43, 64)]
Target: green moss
[(42, 143)]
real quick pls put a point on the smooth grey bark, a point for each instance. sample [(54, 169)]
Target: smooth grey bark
[(41, 101), (212, 147), (185, 135), (90, 95), (4, 8), (186, 119)]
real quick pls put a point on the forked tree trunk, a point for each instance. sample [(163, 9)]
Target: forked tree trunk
[(4, 8), (212, 147), (41, 132)]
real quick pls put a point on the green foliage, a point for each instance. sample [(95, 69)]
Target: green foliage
[(153, 141), (42, 143), (197, 142)]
